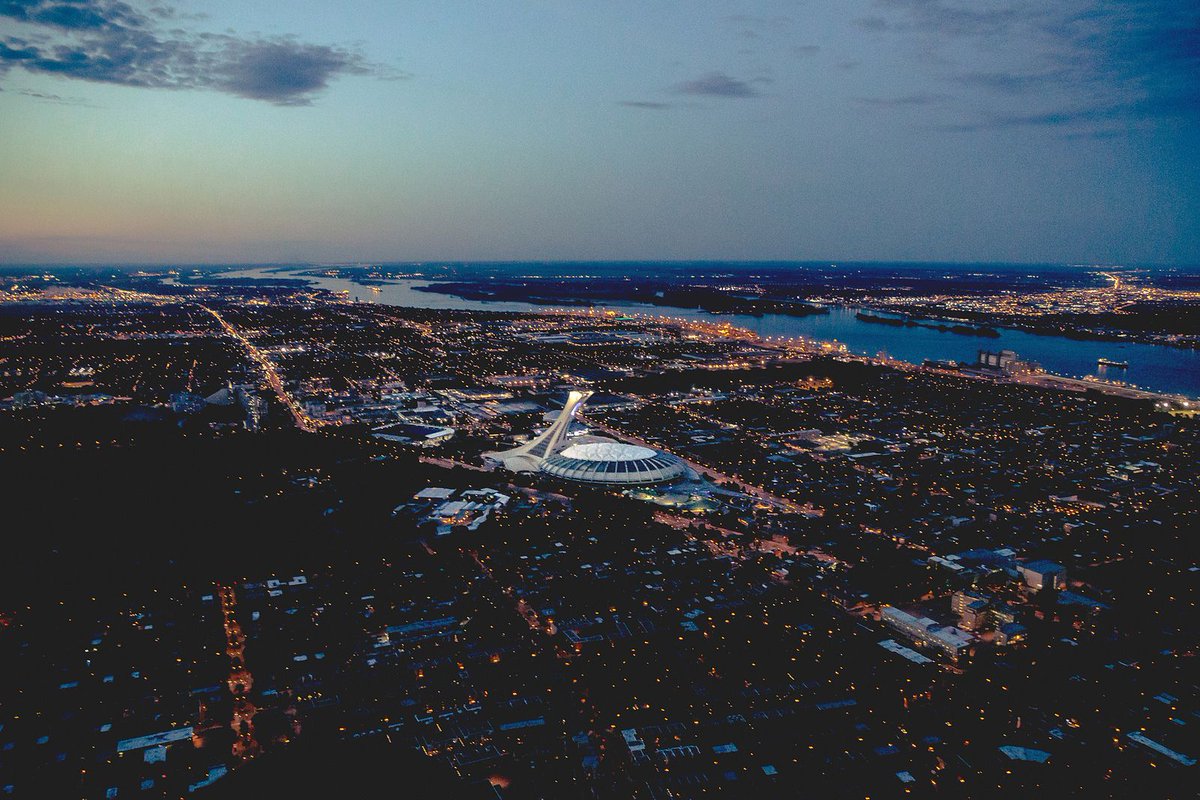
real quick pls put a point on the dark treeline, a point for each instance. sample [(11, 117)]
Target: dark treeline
[(152, 504), (656, 293)]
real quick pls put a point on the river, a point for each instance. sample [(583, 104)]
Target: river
[(1153, 367)]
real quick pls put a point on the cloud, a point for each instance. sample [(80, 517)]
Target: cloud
[(47, 97), (1103, 114), (108, 41), (1101, 134), (1073, 64), (70, 14), (806, 50), (647, 104), (1010, 82), (948, 17), (284, 71), (717, 84), (872, 23), (908, 100)]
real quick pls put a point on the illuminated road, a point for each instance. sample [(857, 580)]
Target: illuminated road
[(303, 421), (240, 680), (450, 463)]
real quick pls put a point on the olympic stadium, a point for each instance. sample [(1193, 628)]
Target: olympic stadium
[(590, 459), (614, 463)]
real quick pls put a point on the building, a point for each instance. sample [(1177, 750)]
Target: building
[(977, 611), (946, 639), (960, 601), (524, 381), (1005, 361), (1001, 360), (1010, 633), (973, 610), (529, 456), (613, 463), (975, 616), (1002, 614), (187, 403), (589, 459), (448, 509), (409, 433), (1040, 575)]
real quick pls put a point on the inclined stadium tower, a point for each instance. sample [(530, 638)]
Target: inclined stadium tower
[(590, 459)]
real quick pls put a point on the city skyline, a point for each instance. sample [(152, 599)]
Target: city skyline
[(911, 130)]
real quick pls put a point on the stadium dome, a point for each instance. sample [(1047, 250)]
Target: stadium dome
[(613, 463)]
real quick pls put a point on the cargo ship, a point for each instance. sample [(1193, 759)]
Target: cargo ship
[(1108, 362)]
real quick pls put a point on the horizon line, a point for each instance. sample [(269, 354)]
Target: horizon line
[(574, 261)]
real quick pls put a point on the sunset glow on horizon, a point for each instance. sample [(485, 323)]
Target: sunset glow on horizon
[(872, 129)]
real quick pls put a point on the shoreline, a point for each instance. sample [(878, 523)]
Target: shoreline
[(942, 324), (549, 306)]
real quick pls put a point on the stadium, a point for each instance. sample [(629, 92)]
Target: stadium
[(610, 462), (590, 459)]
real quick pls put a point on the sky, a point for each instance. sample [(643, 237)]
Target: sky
[(912, 130)]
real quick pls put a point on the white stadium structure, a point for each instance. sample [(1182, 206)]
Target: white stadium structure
[(590, 459), (612, 462)]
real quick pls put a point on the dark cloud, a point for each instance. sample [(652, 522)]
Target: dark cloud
[(872, 23), (1096, 120), (169, 12), (15, 53), (1103, 115), (1087, 65), (806, 50), (283, 71), (107, 41), (647, 104), (70, 17), (72, 14), (949, 17), (717, 84), (46, 97)]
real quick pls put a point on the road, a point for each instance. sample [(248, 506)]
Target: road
[(240, 680), (303, 421)]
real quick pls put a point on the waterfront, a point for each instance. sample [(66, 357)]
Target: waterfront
[(1153, 367)]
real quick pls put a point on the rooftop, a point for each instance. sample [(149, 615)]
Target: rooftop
[(608, 451)]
